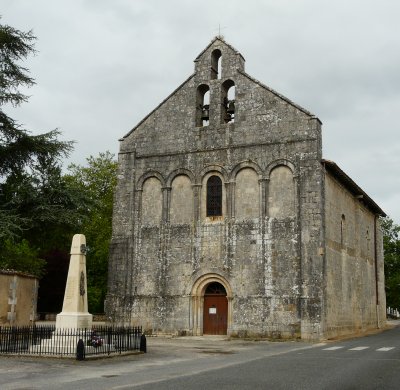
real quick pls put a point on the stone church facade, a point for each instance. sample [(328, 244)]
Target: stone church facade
[(227, 220)]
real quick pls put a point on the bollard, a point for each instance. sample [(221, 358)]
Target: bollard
[(143, 342), (80, 350)]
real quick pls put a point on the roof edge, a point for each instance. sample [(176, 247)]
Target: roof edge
[(157, 107), (6, 271), (218, 38), (351, 185), (287, 100)]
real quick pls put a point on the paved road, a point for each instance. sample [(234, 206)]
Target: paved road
[(371, 362)]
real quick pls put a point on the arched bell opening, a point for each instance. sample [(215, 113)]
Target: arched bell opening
[(203, 105), (228, 96), (216, 64)]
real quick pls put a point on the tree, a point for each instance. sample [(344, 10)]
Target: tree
[(391, 247), (19, 150), (97, 180), (40, 209), (21, 256), (48, 210)]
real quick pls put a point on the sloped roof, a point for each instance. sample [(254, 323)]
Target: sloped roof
[(350, 184), (17, 273), (218, 38), (157, 107), (277, 94)]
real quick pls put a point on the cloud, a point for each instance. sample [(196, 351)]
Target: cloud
[(102, 66)]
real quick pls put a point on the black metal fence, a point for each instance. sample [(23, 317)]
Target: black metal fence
[(47, 340)]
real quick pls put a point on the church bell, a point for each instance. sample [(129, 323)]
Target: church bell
[(205, 115), (231, 107)]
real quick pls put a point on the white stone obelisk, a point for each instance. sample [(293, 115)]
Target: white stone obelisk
[(75, 313)]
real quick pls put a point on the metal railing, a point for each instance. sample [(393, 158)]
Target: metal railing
[(47, 340), (392, 313)]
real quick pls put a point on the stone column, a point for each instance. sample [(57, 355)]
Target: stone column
[(166, 199)]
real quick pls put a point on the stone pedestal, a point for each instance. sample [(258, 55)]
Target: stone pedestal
[(74, 320), (75, 313)]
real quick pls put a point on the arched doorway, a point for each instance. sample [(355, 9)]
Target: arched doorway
[(208, 290), (215, 314)]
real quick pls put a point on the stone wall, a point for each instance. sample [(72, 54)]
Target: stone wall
[(18, 298), (355, 296), (265, 248)]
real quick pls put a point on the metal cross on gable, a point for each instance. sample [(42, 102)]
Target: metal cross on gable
[(219, 30)]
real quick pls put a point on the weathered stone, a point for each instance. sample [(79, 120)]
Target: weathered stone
[(18, 298), (272, 239)]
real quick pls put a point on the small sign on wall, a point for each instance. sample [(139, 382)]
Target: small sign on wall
[(212, 310)]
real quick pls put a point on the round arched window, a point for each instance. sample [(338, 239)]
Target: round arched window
[(214, 196)]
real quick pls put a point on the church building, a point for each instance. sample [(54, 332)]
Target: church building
[(228, 220)]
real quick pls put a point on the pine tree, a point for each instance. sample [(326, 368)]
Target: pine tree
[(19, 149)]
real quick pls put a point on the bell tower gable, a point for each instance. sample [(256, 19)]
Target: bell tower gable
[(218, 60)]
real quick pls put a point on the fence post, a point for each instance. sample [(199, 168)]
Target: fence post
[(80, 350), (109, 339), (143, 343)]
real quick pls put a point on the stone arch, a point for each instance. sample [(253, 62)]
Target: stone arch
[(202, 105), (228, 96), (151, 201), (245, 164), (282, 192), (197, 300), (214, 168), (181, 200), (216, 64), (177, 172), (247, 194), (206, 173), (276, 163), (147, 175)]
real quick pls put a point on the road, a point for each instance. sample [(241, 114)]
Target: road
[(371, 362)]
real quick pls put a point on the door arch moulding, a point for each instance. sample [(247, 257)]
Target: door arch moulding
[(197, 301)]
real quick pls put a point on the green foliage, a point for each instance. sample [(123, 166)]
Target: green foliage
[(97, 180), (20, 256), (391, 246), (44, 203), (14, 46), (19, 149), (11, 223), (41, 209), (36, 206)]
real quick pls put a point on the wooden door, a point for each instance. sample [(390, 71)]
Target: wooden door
[(215, 314)]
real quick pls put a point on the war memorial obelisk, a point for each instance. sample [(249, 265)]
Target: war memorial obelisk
[(75, 313)]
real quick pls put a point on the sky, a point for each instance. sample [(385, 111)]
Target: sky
[(102, 66)]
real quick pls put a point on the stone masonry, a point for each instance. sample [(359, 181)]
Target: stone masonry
[(288, 238), (18, 298)]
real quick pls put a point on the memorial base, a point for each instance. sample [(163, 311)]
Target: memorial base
[(74, 321)]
